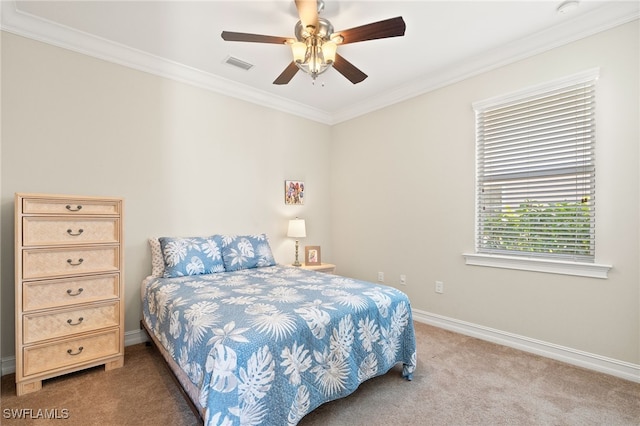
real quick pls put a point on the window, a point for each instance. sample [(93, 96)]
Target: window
[(535, 172)]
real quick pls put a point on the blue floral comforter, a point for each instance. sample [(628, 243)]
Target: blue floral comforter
[(265, 346)]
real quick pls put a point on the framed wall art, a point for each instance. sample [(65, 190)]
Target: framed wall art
[(293, 192), (312, 255)]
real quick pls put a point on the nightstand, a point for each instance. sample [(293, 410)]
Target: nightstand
[(323, 267)]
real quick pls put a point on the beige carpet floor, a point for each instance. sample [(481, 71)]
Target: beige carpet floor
[(459, 381)]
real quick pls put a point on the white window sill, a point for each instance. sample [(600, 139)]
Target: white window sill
[(582, 269)]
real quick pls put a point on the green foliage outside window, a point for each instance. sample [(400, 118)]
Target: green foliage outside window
[(562, 228)]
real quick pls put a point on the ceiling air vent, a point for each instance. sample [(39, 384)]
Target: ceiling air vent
[(238, 63)]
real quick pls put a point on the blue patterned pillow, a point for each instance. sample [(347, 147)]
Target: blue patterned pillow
[(191, 256), (246, 251)]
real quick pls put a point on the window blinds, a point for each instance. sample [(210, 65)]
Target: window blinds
[(536, 174)]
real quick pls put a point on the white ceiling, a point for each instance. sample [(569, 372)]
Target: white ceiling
[(445, 41)]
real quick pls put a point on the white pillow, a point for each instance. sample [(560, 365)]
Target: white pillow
[(157, 260)]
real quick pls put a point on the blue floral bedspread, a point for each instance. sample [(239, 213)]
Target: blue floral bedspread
[(265, 346)]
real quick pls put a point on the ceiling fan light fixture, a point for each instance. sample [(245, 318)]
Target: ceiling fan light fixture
[(315, 55), (329, 49), (314, 52), (299, 50)]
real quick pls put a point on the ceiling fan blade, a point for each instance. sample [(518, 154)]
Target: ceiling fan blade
[(393, 27), (287, 74), (348, 70), (308, 11), (254, 38)]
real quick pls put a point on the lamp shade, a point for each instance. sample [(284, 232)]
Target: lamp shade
[(297, 228), (299, 50), (329, 52)]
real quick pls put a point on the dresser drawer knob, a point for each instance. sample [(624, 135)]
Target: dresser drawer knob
[(70, 321), (71, 293), (70, 262), (76, 209), (75, 234), (70, 351)]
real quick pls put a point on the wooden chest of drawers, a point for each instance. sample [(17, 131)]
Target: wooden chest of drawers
[(69, 286)]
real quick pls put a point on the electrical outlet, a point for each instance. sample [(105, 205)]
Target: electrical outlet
[(403, 279), (381, 277), (439, 287)]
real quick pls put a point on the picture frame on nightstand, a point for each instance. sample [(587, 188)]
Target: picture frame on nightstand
[(312, 255)]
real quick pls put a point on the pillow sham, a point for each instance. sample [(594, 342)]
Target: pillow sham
[(246, 251), (157, 261), (191, 256)]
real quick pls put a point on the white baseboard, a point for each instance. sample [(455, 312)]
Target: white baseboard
[(614, 367), (8, 365), (135, 337), (622, 369)]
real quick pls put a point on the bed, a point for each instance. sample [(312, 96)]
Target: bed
[(254, 342)]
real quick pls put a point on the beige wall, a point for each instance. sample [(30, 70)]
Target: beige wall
[(187, 161), (403, 203), (391, 191)]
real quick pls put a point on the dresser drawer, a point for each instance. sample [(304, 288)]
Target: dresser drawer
[(45, 263), (46, 358), (69, 206), (61, 323), (64, 292), (39, 231)]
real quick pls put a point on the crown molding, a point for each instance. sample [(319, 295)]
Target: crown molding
[(26, 25), (598, 20)]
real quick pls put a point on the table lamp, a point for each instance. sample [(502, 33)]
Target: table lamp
[(297, 230)]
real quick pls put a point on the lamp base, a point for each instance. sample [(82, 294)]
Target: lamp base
[(297, 262)]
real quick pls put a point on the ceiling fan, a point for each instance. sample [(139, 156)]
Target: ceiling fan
[(315, 46)]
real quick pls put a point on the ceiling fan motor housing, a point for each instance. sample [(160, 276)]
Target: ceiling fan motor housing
[(324, 29)]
